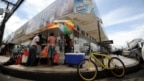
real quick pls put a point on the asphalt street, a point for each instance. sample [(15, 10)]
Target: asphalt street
[(137, 76), (4, 77)]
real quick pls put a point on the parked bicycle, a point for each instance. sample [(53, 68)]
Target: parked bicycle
[(88, 68)]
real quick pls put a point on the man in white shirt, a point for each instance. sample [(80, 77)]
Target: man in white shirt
[(35, 40), (33, 50)]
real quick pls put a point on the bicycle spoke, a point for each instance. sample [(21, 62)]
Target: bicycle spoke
[(117, 67), (87, 70)]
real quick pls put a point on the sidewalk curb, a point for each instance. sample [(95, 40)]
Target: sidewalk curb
[(71, 76)]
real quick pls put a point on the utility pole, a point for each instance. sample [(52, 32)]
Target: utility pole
[(8, 14)]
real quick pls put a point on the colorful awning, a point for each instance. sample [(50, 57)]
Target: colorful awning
[(53, 25), (66, 26)]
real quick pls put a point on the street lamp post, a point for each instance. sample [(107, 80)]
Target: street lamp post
[(99, 32)]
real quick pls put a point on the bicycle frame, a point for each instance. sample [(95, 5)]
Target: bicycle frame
[(93, 55), (90, 66)]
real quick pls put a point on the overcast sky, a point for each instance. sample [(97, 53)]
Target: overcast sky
[(123, 20)]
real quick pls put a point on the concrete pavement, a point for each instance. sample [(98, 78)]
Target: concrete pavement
[(59, 72)]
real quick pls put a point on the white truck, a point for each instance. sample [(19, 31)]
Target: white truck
[(136, 49)]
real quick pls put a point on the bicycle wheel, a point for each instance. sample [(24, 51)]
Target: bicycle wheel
[(87, 70), (117, 67)]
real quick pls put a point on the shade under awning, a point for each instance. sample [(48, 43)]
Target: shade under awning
[(88, 23)]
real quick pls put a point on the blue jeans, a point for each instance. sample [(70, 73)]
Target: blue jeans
[(51, 51)]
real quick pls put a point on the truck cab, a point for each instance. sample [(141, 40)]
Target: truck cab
[(142, 50), (136, 49)]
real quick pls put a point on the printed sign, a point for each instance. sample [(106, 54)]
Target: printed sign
[(83, 6)]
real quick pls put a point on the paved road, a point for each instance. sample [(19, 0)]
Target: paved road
[(4, 77), (137, 76)]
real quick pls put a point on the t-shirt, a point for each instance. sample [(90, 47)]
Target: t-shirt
[(16, 50), (35, 39)]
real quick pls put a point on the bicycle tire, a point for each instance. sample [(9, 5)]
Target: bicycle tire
[(90, 72), (119, 67)]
